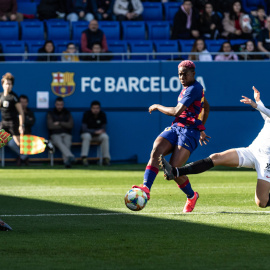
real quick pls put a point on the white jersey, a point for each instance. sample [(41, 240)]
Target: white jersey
[(262, 141)]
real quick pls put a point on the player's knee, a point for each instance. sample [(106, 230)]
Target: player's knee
[(155, 152), (215, 157)]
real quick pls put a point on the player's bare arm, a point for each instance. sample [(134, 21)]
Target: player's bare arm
[(203, 136), (171, 111)]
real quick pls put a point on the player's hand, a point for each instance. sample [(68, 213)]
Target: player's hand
[(153, 108), (203, 138), (248, 101), (5, 137), (257, 95)]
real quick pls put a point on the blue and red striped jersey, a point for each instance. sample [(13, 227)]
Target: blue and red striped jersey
[(193, 98)]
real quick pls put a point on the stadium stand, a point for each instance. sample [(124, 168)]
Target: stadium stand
[(133, 30), (32, 47), (57, 30), (186, 46), (158, 30), (77, 29), (111, 29), (29, 9), (143, 46), (165, 47), (152, 11), (32, 30), (214, 45), (13, 46), (118, 46), (9, 31), (170, 9)]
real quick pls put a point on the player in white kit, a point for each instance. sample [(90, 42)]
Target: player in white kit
[(256, 155)]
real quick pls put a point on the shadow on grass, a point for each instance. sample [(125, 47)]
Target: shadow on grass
[(73, 237)]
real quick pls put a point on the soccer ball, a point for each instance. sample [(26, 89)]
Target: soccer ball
[(135, 199)]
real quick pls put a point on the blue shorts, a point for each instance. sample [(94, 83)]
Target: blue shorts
[(185, 137)]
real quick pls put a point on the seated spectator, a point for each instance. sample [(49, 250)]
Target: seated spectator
[(79, 10), (70, 54), (48, 48), (250, 47), (103, 10), (185, 24), (93, 35), (29, 117), (96, 49), (263, 38), (60, 124), (210, 23), (258, 21), (51, 9), (200, 47), (220, 6), (128, 10), (94, 129), (8, 11), (236, 23), (250, 6), (228, 55)]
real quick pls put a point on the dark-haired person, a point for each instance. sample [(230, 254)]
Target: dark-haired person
[(256, 156), (47, 52), (263, 38), (236, 23), (71, 53), (250, 47), (227, 53), (184, 135), (94, 129), (12, 115), (60, 124), (29, 117)]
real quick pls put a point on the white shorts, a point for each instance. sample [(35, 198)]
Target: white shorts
[(258, 161)]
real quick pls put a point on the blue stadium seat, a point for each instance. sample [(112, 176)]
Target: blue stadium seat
[(166, 46), (118, 46), (61, 45), (33, 46), (143, 46), (78, 28), (186, 46), (13, 46), (214, 45), (29, 8), (133, 30), (32, 30), (152, 11), (111, 29), (158, 30), (57, 30), (170, 9), (9, 31)]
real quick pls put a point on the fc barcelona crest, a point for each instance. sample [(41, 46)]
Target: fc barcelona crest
[(63, 84)]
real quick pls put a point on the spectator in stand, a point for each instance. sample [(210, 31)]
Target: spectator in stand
[(79, 10), (250, 6), (96, 49), (93, 35), (250, 47), (60, 124), (200, 47), (228, 55), (29, 117), (263, 38), (70, 54), (220, 6), (103, 10), (48, 48), (258, 21), (128, 10), (236, 23), (51, 9), (94, 129), (210, 23), (8, 11), (185, 22)]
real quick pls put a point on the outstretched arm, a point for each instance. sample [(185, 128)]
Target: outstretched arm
[(171, 111)]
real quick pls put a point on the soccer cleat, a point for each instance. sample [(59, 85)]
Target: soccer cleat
[(4, 226), (49, 146), (145, 189), (190, 204), (5, 137), (166, 167)]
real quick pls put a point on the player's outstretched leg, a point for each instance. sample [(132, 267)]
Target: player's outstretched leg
[(5, 137), (4, 226)]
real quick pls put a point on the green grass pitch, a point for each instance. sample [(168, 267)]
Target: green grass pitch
[(76, 219)]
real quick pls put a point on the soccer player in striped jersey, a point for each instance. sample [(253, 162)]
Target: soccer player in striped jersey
[(183, 136), (256, 156)]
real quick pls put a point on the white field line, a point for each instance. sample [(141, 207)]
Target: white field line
[(142, 213)]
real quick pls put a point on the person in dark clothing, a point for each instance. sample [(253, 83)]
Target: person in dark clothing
[(96, 48), (250, 47), (94, 129), (103, 9), (48, 48), (79, 10), (51, 9), (263, 38), (29, 117), (185, 24), (8, 11), (91, 36), (60, 124), (210, 23)]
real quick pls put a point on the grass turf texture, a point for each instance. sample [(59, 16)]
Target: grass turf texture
[(76, 219)]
